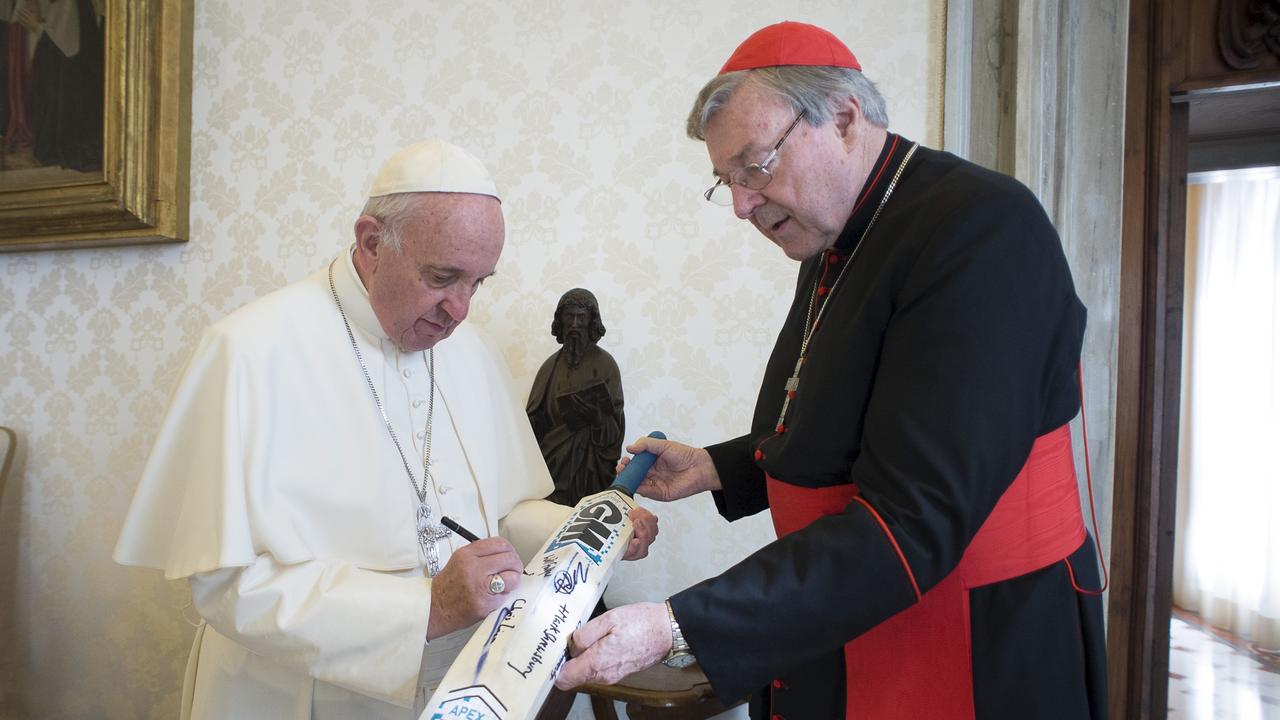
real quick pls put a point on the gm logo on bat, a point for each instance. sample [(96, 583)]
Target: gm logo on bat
[(591, 528)]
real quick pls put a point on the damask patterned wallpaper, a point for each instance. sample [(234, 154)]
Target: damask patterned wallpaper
[(577, 106)]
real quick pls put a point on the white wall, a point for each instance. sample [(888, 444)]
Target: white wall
[(578, 107)]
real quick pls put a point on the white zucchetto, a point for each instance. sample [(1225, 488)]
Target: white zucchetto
[(433, 166)]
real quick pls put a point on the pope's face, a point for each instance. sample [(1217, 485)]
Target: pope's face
[(448, 248), (806, 204)]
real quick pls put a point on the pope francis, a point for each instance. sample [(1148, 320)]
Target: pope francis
[(314, 442)]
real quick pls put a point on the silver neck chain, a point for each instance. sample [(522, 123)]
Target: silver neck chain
[(810, 327), (811, 319), (429, 534)]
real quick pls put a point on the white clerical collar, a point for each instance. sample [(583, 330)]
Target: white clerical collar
[(355, 297)]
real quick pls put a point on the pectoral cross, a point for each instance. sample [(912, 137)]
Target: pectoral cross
[(793, 383), (429, 534)]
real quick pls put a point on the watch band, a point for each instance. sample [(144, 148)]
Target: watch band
[(678, 644)]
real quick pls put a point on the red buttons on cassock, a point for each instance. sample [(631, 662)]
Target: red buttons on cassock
[(779, 685), (822, 290), (775, 716), (833, 258), (759, 455), (782, 429)]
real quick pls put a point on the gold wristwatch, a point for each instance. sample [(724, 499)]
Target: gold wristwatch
[(681, 656)]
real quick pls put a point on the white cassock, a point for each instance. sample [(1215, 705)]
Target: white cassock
[(275, 488)]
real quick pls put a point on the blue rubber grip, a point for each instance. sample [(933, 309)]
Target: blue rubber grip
[(633, 474)]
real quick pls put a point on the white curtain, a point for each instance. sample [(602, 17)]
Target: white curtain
[(1227, 549)]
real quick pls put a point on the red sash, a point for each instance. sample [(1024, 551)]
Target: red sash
[(918, 663)]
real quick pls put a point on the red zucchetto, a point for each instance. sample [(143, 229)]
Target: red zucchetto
[(790, 43)]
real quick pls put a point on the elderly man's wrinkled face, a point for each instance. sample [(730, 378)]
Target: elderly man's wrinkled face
[(806, 204), (421, 293)]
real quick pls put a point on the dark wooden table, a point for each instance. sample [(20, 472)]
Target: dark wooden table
[(658, 693)]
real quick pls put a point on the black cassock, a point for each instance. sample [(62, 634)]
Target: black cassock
[(951, 344), (66, 97)]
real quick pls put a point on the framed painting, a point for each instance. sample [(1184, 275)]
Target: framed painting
[(95, 122)]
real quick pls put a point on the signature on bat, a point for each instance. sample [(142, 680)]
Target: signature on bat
[(566, 580), (500, 623)]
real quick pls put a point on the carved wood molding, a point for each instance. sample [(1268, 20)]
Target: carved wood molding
[(1247, 31)]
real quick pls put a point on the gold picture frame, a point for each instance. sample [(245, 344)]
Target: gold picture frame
[(141, 193)]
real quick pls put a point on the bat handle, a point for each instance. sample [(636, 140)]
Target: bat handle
[(633, 474)]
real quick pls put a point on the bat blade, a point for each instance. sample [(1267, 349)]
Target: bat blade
[(506, 669)]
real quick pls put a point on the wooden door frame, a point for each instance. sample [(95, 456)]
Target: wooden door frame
[(1149, 369), (1176, 55)]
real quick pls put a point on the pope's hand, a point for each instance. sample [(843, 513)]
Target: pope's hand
[(678, 472), (645, 524), (462, 593), (616, 644)]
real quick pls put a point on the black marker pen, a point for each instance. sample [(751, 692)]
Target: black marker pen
[(462, 532)]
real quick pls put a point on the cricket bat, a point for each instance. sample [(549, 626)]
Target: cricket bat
[(506, 669)]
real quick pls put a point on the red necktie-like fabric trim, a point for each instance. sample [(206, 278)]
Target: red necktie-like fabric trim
[(915, 587)]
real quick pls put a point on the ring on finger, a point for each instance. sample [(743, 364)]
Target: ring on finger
[(496, 584)]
